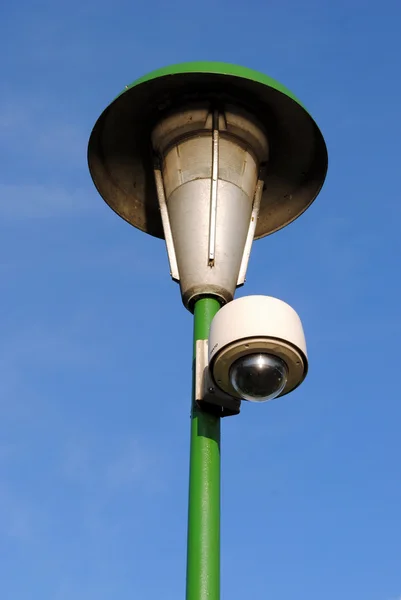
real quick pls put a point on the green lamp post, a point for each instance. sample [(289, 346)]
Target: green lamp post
[(208, 156)]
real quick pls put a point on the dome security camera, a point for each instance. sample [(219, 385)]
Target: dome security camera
[(256, 351)]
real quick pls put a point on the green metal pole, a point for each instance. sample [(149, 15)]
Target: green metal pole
[(203, 555)]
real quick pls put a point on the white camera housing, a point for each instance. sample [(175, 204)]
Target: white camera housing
[(253, 325)]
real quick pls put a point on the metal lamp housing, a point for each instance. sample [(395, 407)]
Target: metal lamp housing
[(210, 181), (208, 156), (256, 325)]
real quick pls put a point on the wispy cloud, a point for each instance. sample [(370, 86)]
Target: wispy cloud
[(109, 473), (42, 146), (41, 349), (101, 589), (36, 131), (103, 470), (17, 519), (41, 201), (125, 463), (46, 346)]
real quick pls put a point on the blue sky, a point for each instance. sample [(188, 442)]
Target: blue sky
[(95, 347)]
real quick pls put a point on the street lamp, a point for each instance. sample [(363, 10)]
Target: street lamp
[(210, 156)]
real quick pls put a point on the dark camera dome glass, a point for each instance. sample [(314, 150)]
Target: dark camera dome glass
[(259, 377)]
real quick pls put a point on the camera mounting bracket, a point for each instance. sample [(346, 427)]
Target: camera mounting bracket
[(208, 396)]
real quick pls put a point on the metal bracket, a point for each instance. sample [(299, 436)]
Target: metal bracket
[(207, 395), (251, 231), (168, 236), (213, 189)]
